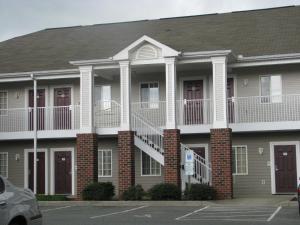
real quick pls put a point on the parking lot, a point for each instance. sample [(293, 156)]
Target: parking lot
[(165, 215)]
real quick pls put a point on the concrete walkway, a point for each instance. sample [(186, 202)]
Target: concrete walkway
[(275, 200)]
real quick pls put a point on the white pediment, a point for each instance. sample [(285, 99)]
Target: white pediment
[(145, 48)]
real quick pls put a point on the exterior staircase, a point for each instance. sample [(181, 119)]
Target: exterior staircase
[(149, 138)]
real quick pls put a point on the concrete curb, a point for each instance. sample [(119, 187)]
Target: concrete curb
[(124, 203)]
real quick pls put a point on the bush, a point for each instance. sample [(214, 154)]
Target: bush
[(200, 192), (99, 191), (165, 192), (134, 193), (51, 198)]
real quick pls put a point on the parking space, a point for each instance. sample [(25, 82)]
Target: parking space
[(166, 215)]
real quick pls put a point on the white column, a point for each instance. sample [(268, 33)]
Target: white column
[(86, 99), (170, 93), (219, 65), (125, 87), (34, 135)]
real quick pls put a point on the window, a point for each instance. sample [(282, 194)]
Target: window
[(240, 160), (4, 164), (149, 95), (271, 89), (2, 186), (3, 103), (105, 163), (150, 167), (103, 96)]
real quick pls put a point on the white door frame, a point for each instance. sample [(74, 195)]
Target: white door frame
[(272, 161), (26, 152), (52, 165)]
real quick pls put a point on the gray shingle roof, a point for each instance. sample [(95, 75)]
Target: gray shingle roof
[(250, 33)]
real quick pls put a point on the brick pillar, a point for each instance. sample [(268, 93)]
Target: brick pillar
[(221, 162), (126, 160), (172, 156), (87, 163)]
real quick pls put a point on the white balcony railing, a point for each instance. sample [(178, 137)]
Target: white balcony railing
[(154, 112), (48, 118), (259, 109), (107, 114), (194, 112)]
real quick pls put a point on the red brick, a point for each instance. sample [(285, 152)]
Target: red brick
[(221, 162)]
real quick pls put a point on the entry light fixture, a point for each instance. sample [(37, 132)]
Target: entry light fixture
[(17, 157), (260, 151)]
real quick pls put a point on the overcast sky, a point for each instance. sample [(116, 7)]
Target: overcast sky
[(18, 17)]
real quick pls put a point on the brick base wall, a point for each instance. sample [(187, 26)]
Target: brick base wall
[(172, 156), (126, 160), (87, 163), (221, 162)]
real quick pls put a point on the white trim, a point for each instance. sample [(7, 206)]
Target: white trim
[(26, 152), (52, 168), (5, 153), (272, 161), (149, 175), (207, 158), (111, 166), (247, 163), (166, 51)]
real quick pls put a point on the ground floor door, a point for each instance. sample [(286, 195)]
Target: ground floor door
[(193, 105), (63, 172), (40, 171), (285, 168)]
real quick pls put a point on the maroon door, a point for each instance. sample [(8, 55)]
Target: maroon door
[(193, 110), (61, 111), (285, 168), (40, 171), (63, 173), (230, 94), (40, 109), (199, 151)]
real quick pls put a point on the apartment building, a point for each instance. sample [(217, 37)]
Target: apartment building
[(123, 102)]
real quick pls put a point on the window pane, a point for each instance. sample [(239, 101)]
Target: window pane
[(100, 166), (239, 160), (276, 89), (3, 164), (150, 95), (265, 89), (3, 103), (145, 164)]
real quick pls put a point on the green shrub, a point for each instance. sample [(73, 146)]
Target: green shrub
[(200, 192), (51, 198), (165, 192), (99, 191), (134, 193)]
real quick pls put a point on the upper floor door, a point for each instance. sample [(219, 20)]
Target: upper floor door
[(62, 110), (193, 105), (40, 109), (230, 95)]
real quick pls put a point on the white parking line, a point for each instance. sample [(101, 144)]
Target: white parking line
[(64, 207), (120, 212), (274, 213), (191, 213)]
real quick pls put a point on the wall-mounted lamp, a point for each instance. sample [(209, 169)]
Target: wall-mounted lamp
[(17, 157), (245, 82), (260, 151), (17, 94)]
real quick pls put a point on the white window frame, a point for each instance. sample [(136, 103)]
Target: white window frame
[(271, 96), (4, 112), (102, 151), (142, 103), (5, 153), (235, 163), (149, 175)]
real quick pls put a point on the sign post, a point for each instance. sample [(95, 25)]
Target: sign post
[(189, 165)]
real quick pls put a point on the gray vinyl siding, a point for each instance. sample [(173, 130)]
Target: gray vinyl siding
[(146, 181), (111, 143), (16, 168)]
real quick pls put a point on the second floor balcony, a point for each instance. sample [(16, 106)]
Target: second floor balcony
[(253, 113)]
